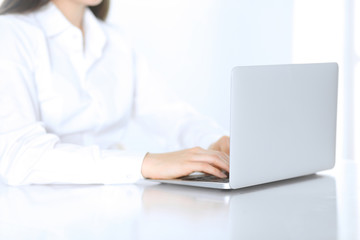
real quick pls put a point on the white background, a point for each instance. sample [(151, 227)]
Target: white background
[(192, 45)]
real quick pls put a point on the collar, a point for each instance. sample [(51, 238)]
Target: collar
[(54, 23), (95, 38)]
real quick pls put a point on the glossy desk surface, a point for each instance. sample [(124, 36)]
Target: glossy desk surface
[(322, 206)]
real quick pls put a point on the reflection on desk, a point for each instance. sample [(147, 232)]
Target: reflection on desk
[(302, 208)]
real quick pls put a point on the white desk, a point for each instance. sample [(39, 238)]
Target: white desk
[(323, 206)]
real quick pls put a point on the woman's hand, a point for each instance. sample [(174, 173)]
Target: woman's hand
[(222, 145), (177, 164), (181, 163)]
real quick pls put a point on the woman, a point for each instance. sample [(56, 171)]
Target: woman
[(69, 85)]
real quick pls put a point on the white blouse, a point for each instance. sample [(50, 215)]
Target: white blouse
[(65, 102)]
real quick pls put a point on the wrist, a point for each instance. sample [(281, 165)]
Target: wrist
[(145, 167)]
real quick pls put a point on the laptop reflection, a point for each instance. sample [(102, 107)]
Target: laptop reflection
[(301, 208)]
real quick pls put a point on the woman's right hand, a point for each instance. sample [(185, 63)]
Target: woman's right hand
[(181, 163)]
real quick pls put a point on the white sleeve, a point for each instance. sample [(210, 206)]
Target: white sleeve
[(164, 114), (29, 154)]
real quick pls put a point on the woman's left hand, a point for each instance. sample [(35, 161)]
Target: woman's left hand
[(221, 145)]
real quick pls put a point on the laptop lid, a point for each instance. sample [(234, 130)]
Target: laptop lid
[(283, 121)]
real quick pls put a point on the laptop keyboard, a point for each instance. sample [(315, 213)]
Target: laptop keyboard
[(205, 178)]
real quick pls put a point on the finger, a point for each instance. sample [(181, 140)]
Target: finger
[(205, 168), (225, 148), (224, 144), (221, 154), (215, 158), (215, 147)]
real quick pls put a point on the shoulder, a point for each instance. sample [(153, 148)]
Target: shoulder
[(20, 35), (19, 25)]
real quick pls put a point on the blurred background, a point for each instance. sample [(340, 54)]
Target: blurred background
[(192, 46)]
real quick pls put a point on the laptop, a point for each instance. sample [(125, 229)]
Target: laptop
[(282, 125)]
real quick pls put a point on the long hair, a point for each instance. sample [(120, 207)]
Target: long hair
[(26, 6)]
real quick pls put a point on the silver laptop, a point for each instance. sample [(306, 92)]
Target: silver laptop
[(282, 124)]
